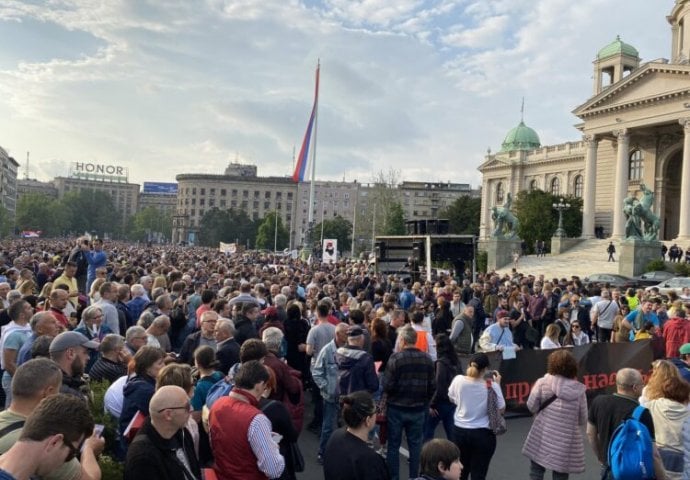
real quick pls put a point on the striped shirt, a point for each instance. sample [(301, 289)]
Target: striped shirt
[(268, 457)]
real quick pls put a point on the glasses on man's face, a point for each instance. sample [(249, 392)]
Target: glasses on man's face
[(73, 451), (575, 327), (187, 407)]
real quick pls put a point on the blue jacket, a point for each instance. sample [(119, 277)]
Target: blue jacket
[(135, 307), (95, 260), (137, 395)]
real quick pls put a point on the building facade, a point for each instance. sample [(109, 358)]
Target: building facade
[(635, 130), (29, 186), (125, 195), (8, 182)]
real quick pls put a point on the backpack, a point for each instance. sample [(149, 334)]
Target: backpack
[(630, 450), (219, 389)]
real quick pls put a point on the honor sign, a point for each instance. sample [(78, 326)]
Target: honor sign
[(96, 171)]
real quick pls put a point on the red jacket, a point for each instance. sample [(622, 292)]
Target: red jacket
[(229, 422), (676, 333)]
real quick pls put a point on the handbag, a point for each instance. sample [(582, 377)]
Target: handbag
[(296, 457), (497, 422), (382, 420)]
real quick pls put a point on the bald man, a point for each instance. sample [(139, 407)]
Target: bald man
[(609, 411), (162, 448)]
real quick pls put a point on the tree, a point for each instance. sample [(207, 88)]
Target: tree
[(375, 218), (463, 215), (92, 211), (266, 233), (226, 226), (337, 228), (5, 222), (36, 211), (394, 223), (539, 220), (146, 223)]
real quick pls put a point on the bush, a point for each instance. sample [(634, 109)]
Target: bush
[(111, 469), (682, 269), (482, 261), (655, 265)]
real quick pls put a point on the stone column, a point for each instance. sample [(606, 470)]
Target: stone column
[(485, 218), (684, 224), (590, 187), (620, 190)]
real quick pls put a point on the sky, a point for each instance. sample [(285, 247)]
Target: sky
[(188, 86)]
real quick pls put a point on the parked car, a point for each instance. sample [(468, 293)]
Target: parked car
[(653, 278), (675, 283), (611, 279)]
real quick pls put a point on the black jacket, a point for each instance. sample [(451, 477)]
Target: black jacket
[(190, 344), (227, 355), (244, 329), (152, 457)]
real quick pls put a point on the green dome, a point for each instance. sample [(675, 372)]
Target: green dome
[(617, 47), (521, 138)]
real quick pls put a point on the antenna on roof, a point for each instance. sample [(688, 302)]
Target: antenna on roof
[(26, 170), (522, 110)]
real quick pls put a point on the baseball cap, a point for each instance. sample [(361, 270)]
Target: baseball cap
[(355, 331), (685, 349), (502, 314), (69, 340)]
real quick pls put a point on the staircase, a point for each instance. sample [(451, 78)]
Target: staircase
[(583, 259)]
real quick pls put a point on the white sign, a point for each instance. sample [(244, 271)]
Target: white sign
[(330, 250), (228, 248)]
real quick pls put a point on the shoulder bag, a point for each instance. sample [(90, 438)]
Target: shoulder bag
[(497, 422)]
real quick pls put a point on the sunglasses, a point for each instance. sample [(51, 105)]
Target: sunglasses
[(575, 327), (73, 451), (186, 407)]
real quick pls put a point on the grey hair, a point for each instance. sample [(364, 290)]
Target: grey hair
[(408, 335), (138, 290), (226, 325), (134, 332), (13, 296), (160, 319), (146, 319), (272, 337), (281, 300), (111, 342), (36, 319)]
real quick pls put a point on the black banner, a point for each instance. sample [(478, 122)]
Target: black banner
[(597, 367)]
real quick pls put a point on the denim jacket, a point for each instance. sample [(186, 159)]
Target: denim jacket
[(325, 372)]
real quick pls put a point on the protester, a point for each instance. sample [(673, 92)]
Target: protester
[(161, 449), (550, 339), (477, 443), (683, 362), (41, 323), (441, 409), (676, 333), (70, 350), (140, 387), (347, 454), (559, 404), (621, 333), (112, 361), (666, 395), (576, 337)]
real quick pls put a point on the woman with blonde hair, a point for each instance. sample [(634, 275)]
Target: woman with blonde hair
[(550, 339), (159, 282), (666, 396), (94, 292), (45, 291)]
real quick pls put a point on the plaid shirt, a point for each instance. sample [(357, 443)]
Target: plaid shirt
[(409, 379)]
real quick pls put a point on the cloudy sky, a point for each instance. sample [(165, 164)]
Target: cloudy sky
[(180, 86)]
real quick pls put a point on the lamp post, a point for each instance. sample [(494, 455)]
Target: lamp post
[(560, 206)]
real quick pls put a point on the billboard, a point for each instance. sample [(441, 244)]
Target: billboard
[(160, 188), (330, 251), (99, 172)]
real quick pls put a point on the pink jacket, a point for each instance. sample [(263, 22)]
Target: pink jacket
[(555, 440)]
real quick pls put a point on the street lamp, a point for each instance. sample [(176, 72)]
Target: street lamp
[(560, 206)]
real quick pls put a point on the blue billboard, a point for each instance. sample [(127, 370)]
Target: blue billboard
[(160, 188)]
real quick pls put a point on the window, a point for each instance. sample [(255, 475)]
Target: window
[(202, 201), (211, 202), (579, 186), (233, 203), (555, 186), (223, 192), (499, 193), (202, 191), (289, 196), (245, 193), (194, 191), (533, 185), (267, 194), (257, 194), (255, 204), (267, 205), (193, 201), (212, 191), (636, 166), (223, 204), (234, 192)]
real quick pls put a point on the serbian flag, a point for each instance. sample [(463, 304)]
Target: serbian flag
[(301, 166)]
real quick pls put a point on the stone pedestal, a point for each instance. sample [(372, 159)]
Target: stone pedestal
[(634, 255), (500, 252), (563, 244)]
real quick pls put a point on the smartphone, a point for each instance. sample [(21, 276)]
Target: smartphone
[(98, 429)]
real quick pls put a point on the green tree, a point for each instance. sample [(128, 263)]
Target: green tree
[(92, 211), (145, 224), (539, 220), (265, 235), (337, 228), (226, 226), (40, 212), (394, 223), (5, 223), (463, 215)]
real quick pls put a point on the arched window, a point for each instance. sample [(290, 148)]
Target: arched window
[(533, 186), (499, 193), (555, 186), (579, 186), (636, 166)]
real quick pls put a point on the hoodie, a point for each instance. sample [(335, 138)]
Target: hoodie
[(137, 395), (355, 370), (668, 416)]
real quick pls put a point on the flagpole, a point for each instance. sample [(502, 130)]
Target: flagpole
[(310, 218)]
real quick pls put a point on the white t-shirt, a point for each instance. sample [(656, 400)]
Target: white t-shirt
[(547, 344), (115, 397), (470, 395)]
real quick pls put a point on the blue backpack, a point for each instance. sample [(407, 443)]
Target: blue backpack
[(630, 450), (219, 389)]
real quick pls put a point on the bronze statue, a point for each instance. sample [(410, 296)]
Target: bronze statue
[(640, 222), (505, 223)]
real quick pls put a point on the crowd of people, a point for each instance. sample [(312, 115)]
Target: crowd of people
[(207, 358)]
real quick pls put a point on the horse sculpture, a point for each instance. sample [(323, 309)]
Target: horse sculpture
[(641, 223), (505, 223)]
